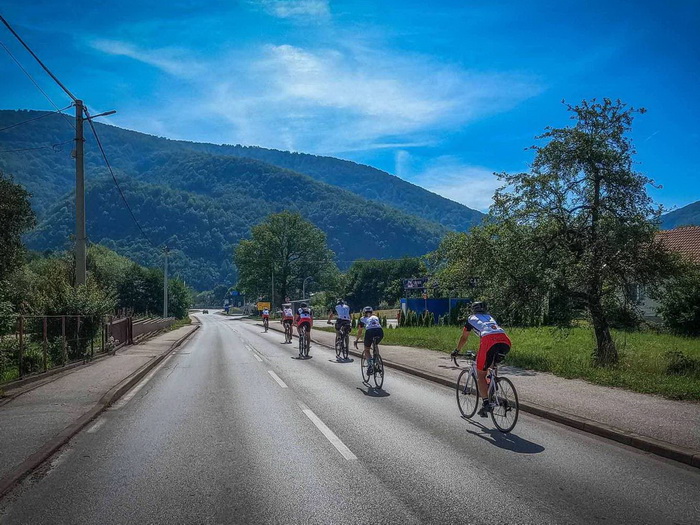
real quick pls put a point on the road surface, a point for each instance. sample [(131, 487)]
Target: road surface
[(231, 429)]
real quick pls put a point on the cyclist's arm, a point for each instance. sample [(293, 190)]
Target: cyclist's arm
[(462, 339), (330, 316), (360, 327)]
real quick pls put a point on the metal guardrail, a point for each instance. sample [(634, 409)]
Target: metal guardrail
[(35, 344)]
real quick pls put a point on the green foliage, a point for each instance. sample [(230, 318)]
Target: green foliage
[(375, 281), (681, 364), (16, 217), (679, 300), (202, 199), (286, 248)]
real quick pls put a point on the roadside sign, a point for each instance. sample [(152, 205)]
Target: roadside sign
[(235, 292), (415, 283), (262, 306)]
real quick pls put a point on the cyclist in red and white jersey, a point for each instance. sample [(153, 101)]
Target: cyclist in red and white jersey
[(493, 347), (304, 317), (287, 315)]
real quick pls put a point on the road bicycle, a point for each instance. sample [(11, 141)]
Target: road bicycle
[(266, 323), (287, 332), (342, 341), (378, 368), (502, 395), (303, 341)]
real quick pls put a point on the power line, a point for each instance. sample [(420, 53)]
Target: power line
[(36, 84), (114, 178), (64, 88), (56, 147), (34, 118)]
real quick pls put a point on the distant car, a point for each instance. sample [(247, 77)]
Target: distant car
[(205, 311)]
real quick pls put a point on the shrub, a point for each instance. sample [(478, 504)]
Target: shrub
[(679, 300), (681, 364)]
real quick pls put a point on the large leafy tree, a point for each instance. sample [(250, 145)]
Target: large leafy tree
[(587, 209), (287, 249), (16, 217), (376, 281)]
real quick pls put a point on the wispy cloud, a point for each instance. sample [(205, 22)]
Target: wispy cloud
[(314, 9), (175, 61), (331, 100), (452, 178)]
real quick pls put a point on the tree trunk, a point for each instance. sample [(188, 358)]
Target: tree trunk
[(606, 351)]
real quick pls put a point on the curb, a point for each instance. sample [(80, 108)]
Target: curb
[(46, 451), (653, 446)]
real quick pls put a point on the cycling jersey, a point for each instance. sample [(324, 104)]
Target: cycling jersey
[(266, 313), (343, 312), (287, 314), (370, 322), (304, 316), (483, 325)]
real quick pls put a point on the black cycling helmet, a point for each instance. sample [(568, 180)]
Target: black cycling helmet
[(367, 310), (304, 305), (479, 307), (340, 301)]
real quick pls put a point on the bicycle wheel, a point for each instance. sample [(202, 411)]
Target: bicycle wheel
[(378, 371), (301, 343), (505, 405), (305, 334), (338, 346), (265, 323), (346, 344), (363, 368), (467, 393)]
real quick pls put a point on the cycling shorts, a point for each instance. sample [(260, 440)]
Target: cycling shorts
[(340, 322), (371, 334), (306, 322), (287, 321), (492, 349), (264, 316)]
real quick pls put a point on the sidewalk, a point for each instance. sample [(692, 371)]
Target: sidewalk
[(638, 420), (33, 422)]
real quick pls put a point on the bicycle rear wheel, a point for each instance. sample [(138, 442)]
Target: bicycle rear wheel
[(346, 344), (505, 405), (305, 333), (302, 339), (467, 393), (378, 371), (338, 345), (363, 368)]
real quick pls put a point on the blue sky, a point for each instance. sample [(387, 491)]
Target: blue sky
[(441, 93)]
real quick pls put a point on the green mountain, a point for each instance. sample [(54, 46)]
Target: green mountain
[(686, 216), (200, 204)]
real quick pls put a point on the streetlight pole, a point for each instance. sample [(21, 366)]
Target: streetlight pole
[(165, 284), (80, 248), (303, 287)]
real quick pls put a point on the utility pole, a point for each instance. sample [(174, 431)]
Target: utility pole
[(272, 295), (165, 284), (80, 237)]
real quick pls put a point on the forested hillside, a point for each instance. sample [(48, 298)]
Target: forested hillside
[(201, 199), (132, 152), (686, 216)]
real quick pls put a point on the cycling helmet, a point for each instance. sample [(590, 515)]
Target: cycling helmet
[(303, 305), (367, 310), (479, 307), (340, 301)]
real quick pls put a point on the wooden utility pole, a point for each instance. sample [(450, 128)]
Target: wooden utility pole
[(80, 237), (165, 284)]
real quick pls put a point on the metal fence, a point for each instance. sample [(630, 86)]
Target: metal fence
[(36, 344)]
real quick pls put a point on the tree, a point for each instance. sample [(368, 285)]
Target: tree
[(588, 210), (375, 281), (679, 299), (286, 249), (16, 217)]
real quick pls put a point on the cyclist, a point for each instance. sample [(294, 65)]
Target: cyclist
[(266, 317), (287, 317), (493, 347), (372, 327), (342, 311), (304, 317)]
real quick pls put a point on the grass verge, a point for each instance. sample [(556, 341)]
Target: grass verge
[(650, 363)]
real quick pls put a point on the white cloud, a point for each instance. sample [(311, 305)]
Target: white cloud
[(325, 101), (318, 9), (174, 61), (450, 177)]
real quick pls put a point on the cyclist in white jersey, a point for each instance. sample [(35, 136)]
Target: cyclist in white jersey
[(372, 327), (342, 312)]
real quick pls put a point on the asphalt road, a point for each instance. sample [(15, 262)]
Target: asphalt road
[(231, 429)]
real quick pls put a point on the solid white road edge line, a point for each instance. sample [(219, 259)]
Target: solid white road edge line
[(97, 425), (330, 435), (277, 379), (131, 393)]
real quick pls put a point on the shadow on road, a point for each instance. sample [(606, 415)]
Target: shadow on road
[(373, 392), (505, 441), (341, 361)]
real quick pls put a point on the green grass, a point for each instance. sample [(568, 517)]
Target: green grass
[(567, 353)]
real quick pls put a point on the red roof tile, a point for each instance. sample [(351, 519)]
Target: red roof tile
[(685, 240)]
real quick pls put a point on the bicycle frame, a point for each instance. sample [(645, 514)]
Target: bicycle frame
[(491, 378)]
